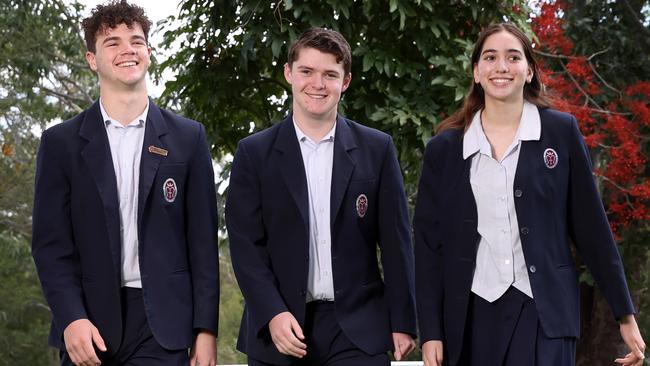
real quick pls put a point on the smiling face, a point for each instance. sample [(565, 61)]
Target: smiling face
[(317, 82), (122, 57), (502, 69)]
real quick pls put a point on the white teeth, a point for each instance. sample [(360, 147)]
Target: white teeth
[(501, 81), (126, 64)]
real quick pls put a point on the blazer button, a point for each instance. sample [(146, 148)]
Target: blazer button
[(532, 269), (303, 292), (524, 231), (518, 193)]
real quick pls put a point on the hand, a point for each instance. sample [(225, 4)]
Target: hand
[(432, 353), (204, 349), (78, 337), (403, 344), (287, 335), (633, 340)]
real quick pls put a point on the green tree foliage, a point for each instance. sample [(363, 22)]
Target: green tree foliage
[(410, 63), (43, 78)]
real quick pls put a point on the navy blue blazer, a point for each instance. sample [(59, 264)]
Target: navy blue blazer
[(76, 229), (267, 217), (554, 207)]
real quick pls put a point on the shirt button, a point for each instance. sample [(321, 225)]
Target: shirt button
[(507, 261), (503, 198), (323, 242), (518, 193), (525, 231), (532, 269), (504, 230)]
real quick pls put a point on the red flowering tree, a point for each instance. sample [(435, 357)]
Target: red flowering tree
[(613, 110)]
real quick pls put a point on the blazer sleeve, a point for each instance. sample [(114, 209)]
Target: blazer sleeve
[(428, 249), (53, 249), (590, 230), (247, 237), (201, 235), (395, 245)]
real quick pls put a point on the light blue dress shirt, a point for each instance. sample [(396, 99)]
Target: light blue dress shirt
[(126, 150), (500, 260)]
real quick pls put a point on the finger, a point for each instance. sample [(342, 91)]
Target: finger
[(439, 357), (295, 327), (398, 355), (293, 349), (409, 348), (398, 350), (97, 338), (284, 345), (73, 355), (292, 341)]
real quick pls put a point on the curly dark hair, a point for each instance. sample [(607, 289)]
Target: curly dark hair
[(110, 16), (326, 41)]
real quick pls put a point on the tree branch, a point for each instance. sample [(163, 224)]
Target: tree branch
[(575, 82), (70, 100)]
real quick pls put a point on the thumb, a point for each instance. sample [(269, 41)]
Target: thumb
[(97, 339), (398, 351), (296, 329)]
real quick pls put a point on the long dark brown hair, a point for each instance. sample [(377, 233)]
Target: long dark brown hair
[(475, 100)]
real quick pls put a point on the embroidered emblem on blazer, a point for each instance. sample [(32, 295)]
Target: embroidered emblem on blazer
[(170, 190), (362, 205), (550, 158)]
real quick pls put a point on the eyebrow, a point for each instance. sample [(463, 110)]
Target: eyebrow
[(489, 50), (304, 67), (115, 38)]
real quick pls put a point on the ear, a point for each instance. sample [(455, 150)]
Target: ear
[(287, 73), (346, 82), (92, 63), (529, 77), (475, 72)]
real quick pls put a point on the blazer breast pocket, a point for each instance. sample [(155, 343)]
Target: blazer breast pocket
[(170, 183)]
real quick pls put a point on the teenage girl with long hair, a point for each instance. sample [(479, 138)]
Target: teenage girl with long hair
[(506, 186)]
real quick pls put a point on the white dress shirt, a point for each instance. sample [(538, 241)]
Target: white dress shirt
[(126, 150), (318, 160), (500, 260)]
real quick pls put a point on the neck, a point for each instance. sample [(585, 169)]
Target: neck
[(499, 114), (314, 128), (124, 107)]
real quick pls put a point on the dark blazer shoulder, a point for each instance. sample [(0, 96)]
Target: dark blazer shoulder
[(366, 133), (557, 125), (69, 127), (446, 143), (175, 119)]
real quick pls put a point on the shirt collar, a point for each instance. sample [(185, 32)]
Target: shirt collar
[(138, 121), (530, 129), (302, 137)]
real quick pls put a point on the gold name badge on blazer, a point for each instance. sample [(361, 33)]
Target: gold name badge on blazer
[(157, 150)]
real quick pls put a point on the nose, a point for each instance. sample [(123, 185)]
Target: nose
[(502, 65), (318, 81), (128, 49)]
